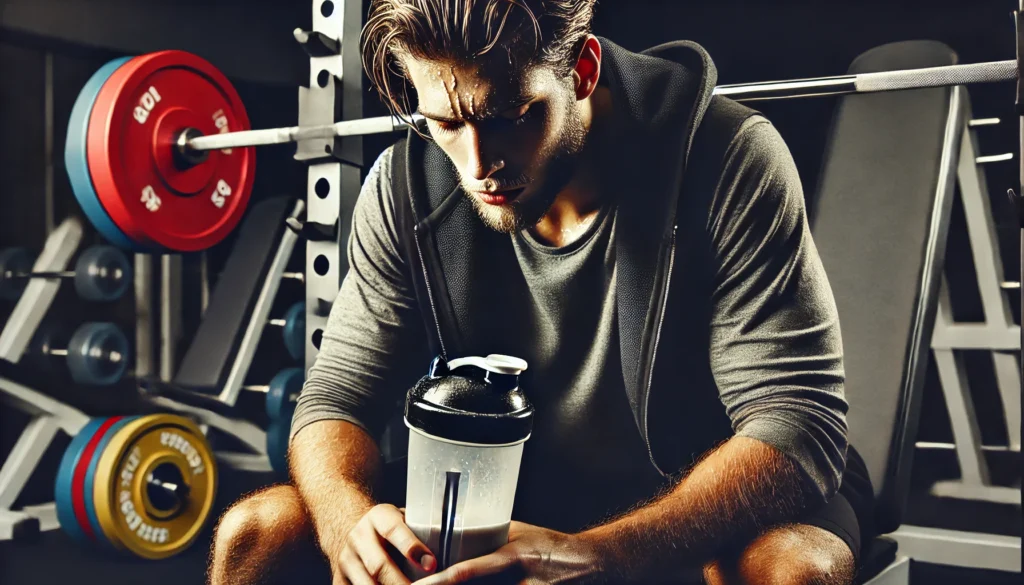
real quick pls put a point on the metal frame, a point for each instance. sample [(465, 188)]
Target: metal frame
[(48, 417), (260, 314), (39, 293), (170, 314), (960, 549), (335, 87), (999, 334)]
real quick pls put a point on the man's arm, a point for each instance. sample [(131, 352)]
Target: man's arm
[(738, 489), (336, 466), (777, 360)]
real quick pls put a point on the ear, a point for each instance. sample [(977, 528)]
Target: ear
[(588, 68)]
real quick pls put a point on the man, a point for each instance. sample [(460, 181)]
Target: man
[(644, 247)]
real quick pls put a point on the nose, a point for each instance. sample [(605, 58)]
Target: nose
[(483, 161)]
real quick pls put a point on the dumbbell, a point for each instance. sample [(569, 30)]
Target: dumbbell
[(97, 353), (293, 329), (282, 392), (102, 273)]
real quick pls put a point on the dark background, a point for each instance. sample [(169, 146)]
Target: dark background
[(252, 43)]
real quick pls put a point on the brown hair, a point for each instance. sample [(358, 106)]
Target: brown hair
[(548, 32)]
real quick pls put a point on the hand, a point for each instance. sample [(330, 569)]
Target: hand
[(533, 556), (365, 558)]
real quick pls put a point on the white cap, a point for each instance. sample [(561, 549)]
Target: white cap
[(497, 363)]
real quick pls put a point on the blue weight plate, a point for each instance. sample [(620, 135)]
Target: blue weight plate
[(90, 477), (294, 330), (102, 273), (277, 445), (284, 388), (62, 489), (97, 368), (77, 164)]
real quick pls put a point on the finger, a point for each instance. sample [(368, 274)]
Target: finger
[(353, 569), (338, 578), (391, 526), (379, 565), (375, 557), (484, 566)]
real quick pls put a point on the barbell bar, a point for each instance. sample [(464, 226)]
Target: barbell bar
[(189, 142), (160, 156)]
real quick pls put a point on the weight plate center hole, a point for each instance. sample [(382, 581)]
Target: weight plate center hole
[(166, 488)]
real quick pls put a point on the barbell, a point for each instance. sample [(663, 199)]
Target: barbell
[(160, 154)]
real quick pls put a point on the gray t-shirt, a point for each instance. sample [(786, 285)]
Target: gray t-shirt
[(586, 459)]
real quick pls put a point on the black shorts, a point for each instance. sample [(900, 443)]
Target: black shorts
[(850, 513)]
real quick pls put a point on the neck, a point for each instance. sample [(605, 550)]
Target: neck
[(578, 203)]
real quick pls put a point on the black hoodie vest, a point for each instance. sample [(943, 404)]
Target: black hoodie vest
[(679, 133)]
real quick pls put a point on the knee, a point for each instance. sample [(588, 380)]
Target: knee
[(262, 521), (784, 559), (808, 569)]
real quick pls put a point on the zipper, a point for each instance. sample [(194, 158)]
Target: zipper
[(654, 349), (430, 292)]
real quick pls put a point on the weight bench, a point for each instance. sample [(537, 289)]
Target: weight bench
[(881, 221), (213, 369)]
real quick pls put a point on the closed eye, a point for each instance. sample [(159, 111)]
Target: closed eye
[(448, 127)]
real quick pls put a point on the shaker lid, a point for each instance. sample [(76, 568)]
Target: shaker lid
[(472, 400)]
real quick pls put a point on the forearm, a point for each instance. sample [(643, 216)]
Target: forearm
[(335, 466), (732, 494)]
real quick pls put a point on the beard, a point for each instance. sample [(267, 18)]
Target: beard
[(528, 209)]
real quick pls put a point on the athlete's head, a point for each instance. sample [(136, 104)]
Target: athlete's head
[(500, 83)]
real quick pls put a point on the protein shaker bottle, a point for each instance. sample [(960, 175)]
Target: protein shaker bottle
[(468, 420)]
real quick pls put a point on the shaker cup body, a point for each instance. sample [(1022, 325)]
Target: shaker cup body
[(486, 489)]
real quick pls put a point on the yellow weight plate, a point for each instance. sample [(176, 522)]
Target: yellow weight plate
[(155, 485)]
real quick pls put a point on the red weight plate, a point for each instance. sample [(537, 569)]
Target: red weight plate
[(132, 127), (78, 479)]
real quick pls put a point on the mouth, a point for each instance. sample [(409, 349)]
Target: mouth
[(500, 197)]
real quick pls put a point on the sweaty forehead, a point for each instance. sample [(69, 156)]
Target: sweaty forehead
[(474, 90)]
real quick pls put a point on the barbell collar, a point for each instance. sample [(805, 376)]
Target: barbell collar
[(185, 156)]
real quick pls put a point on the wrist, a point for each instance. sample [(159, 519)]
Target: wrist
[(333, 523), (597, 554)]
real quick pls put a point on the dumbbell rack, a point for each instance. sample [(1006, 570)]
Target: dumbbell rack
[(48, 416)]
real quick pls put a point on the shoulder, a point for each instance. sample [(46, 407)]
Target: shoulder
[(375, 207), (380, 171), (758, 182), (757, 154)]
